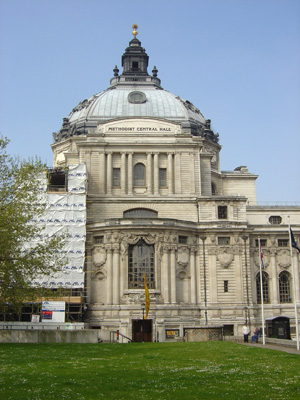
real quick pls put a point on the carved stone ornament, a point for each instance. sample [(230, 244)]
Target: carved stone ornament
[(133, 238), (182, 257), (133, 297), (284, 259), (225, 257), (99, 260)]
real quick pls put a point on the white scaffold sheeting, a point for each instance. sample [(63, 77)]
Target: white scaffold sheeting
[(65, 215)]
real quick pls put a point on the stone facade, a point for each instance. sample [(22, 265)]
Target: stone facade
[(158, 203)]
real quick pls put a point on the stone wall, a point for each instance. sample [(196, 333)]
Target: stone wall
[(204, 334)]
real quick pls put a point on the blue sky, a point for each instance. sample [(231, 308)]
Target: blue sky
[(238, 61)]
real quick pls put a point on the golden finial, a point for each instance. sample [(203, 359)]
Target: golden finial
[(134, 26)]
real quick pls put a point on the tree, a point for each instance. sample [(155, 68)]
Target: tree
[(24, 251)]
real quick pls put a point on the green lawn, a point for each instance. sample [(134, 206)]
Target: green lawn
[(207, 370)]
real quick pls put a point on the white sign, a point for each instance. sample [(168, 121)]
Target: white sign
[(53, 311)]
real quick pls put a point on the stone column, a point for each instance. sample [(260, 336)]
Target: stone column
[(170, 173), (102, 173), (173, 275), (109, 173), (296, 271), (89, 271), (165, 275), (123, 173), (193, 276), (275, 283), (109, 291), (238, 275), (156, 174), (212, 268), (116, 274), (130, 184), (198, 276), (192, 174), (177, 173), (149, 173)]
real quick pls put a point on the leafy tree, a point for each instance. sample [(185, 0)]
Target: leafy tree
[(25, 252)]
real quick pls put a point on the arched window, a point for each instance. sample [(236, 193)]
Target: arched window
[(140, 262), (265, 285), (284, 287), (140, 213), (139, 173)]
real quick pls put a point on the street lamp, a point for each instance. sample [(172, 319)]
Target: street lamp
[(203, 238)]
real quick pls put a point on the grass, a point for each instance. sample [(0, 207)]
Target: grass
[(207, 370)]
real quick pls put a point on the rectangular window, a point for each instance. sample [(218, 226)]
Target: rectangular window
[(162, 177), (283, 242), (116, 177), (182, 239), (57, 180), (135, 65), (223, 240), (222, 212), (225, 286), (263, 242), (99, 239)]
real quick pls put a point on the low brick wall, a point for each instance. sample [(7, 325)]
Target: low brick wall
[(204, 334)]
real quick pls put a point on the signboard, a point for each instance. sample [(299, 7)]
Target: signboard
[(35, 318), (53, 311), (172, 334)]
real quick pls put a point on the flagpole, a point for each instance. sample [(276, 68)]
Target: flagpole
[(294, 285), (261, 292)]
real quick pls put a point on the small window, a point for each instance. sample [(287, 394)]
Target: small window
[(263, 242), (135, 65), (182, 239), (213, 189), (116, 177), (99, 239), (57, 180), (222, 212), (225, 286), (275, 220), (283, 242), (162, 177), (223, 240), (139, 175)]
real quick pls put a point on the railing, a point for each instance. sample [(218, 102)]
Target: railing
[(118, 335)]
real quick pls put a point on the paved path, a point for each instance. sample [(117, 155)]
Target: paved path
[(292, 350)]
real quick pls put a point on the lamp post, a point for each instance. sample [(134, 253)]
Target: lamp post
[(247, 282), (203, 238)]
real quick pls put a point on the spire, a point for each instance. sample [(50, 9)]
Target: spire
[(135, 59), (135, 63)]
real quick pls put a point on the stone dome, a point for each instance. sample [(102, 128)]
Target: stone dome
[(115, 103), (134, 94)]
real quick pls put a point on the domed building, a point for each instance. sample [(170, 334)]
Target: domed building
[(159, 207)]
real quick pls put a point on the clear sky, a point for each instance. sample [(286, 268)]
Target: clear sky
[(238, 61)]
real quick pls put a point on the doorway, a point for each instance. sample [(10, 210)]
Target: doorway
[(142, 330)]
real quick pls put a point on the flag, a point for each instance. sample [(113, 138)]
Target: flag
[(261, 256), (147, 298), (294, 243)]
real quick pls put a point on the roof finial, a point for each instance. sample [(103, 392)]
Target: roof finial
[(134, 26)]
